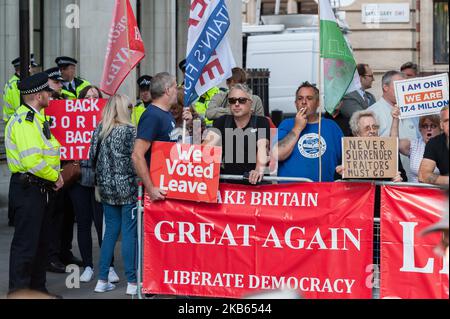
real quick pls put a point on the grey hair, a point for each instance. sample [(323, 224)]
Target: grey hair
[(161, 82), (354, 120), (387, 77), (244, 88)]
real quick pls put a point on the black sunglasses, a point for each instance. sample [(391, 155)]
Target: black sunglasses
[(241, 100)]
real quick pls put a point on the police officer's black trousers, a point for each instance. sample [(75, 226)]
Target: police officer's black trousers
[(29, 248)]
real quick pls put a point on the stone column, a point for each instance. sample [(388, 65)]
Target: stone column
[(158, 28), (60, 30), (9, 39)]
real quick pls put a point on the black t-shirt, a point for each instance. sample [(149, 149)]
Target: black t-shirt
[(237, 157), (437, 150)]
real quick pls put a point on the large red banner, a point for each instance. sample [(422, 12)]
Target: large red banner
[(185, 171), (409, 266), (73, 122), (313, 238)]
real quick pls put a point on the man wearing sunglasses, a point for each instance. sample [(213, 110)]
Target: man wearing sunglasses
[(244, 137)]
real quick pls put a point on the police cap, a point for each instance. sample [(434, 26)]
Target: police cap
[(16, 62), (63, 61), (144, 81), (33, 61), (34, 84), (54, 74)]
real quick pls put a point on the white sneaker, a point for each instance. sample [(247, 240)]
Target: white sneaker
[(104, 286), (112, 276), (131, 289), (87, 275)]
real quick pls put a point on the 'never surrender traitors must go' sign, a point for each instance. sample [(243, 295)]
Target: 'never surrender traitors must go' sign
[(369, 157)]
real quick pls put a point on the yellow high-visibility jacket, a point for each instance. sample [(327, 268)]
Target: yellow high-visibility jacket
[(80, 84), (201, 105), (27, 148), (11, 97), (137, 112)]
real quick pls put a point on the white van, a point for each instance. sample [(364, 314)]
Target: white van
[(290, 54)]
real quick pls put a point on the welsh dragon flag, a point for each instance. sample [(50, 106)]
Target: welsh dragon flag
[(339, 67)]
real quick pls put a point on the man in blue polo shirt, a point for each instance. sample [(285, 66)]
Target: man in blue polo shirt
[(297, 149), (156, 124)]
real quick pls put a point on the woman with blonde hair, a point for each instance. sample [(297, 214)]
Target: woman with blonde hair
[(111, 148)]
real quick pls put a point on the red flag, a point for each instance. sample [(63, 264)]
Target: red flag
[(125, 48)]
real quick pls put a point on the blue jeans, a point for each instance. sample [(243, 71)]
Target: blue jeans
[(119, 218)]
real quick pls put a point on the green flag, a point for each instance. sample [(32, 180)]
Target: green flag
[(339, 66)]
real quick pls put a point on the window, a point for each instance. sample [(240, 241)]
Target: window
[(440, 32)]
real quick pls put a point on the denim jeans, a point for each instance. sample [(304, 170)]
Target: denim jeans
[(119, 218)]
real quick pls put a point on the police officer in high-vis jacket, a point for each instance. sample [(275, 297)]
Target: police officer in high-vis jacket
[(72, 85), (11, 93), (33, 156)]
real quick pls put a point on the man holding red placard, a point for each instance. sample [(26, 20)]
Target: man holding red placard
[(156, 124)]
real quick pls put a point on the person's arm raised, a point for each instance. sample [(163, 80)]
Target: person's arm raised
[(404, 145)]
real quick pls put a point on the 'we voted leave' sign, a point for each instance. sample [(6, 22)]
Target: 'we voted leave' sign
[(187, 172), (422, 96)]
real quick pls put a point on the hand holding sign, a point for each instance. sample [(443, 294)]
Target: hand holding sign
[(184, 171)]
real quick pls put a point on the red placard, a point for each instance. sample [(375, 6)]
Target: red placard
[(314, 238), (409, 267), (188, 172), (73, 122)]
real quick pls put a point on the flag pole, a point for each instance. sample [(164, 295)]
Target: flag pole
[(320, 90)]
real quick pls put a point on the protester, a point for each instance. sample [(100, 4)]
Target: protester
[(180, 115), (410, 70), (156, 124), (429, 128), (297, 149), (364, 124), (251, 132), (436, 155), (201, 105), (383, 108), (112, 146), (361, 99), (87, 209), (219, 103)]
